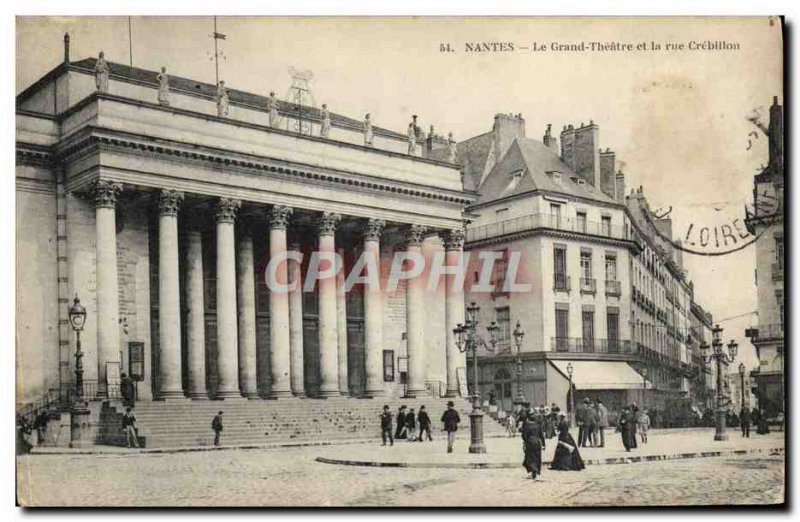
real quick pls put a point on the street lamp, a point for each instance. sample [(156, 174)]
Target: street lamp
[(644, 387), (717, 354), (468, 340), (570, 369), (77, 318), (81, 434), (518, 335), (741, 374)]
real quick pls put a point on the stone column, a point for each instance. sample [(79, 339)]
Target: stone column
[(246, 302), (105, 193), (227, 335), (279, 327), (341, 327), (328, 336), (196, 317), (454, 309), (373, 311), (169, 298), (415, 318), (296, 368)]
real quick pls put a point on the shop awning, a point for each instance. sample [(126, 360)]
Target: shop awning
[(602, 375)]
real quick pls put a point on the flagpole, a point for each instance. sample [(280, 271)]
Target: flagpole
[(216, 56), (130, 42)]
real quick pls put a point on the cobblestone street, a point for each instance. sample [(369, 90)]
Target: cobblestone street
[(290, 476)]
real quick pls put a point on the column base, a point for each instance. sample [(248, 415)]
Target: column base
[(413, 394), (279, 394), (198, 396), (328, 393), (170, 395), (380, 392), (299, 395), (252, 395), (450, 394), (720, 436), (228, 394)]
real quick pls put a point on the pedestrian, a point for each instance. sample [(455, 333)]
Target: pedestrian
[(128, 390), (602, 422), (25, 432), (567, 456), (626, 425), (386, 426), (763, 423), (40, 425), (532, 444), (643, 425), (592, 419), (744, 421), (400, 432), (411, 425), (450, 419), (424, 424), (554, 420), (547, 422), (129, 426), (511, 425), (491, 398), (580, 420), (216, 425)]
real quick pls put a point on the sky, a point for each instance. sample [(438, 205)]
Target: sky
[(675, 118)]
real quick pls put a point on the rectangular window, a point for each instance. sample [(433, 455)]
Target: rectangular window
[(555, 215), (586, 265), (612, 325), (605, 223), (611, 268), (588, 330), (560, 268), (581, 222), (388, 365), (504, 333), (779, 251), (499, 272), (562, 330)]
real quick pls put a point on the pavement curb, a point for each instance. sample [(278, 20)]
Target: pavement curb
[(511, 465)]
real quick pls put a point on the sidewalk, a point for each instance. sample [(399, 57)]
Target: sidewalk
[(507, 452)]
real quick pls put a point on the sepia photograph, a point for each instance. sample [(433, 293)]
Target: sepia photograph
[(433, 261)]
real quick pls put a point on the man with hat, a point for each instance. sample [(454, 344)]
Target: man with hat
[(581, 414), (450, 419)]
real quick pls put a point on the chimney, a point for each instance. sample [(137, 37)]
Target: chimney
[(620, 183), (608, 166), (549, 141), (567, 146), (429, 143), (776, 137), (66, 48), (586, 155), (507, 128)]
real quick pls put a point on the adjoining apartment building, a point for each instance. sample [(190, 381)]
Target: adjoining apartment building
[(766, 222), (606, 299)]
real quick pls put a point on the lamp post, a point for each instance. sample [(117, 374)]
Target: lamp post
[(468, 340), (741, 374), (644, 387), (717, 354), (80, 434), (570, 369), (518, 335)]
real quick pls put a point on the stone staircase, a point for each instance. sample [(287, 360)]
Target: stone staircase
[(290, 420)]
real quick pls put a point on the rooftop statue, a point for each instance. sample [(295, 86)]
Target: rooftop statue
[(222, 100), (101, 73), (163, 87), (325, 130), (367, 131), (272, 107)]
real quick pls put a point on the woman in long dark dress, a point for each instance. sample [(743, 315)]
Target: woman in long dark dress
[(627, 428), (567, 457), (533, 444)]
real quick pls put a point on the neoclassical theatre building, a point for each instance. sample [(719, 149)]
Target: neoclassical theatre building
[(160, 210)]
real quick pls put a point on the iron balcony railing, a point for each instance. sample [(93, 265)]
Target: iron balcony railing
[(613, 288), (600, 346), (768, 331), (545, 221), (561, 282), (588, 285)]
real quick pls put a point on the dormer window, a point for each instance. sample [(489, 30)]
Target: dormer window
[(516, 177), (555, 175)]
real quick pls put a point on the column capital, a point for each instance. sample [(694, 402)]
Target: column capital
[(415, 235), (105, 193), (453, 239), (227, 209), (372, 229), (279, 217), (327, 223), (169, 201)]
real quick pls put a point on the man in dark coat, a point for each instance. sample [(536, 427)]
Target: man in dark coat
[(450, 419), (424, 424), (580, 419), (744, 421), (40, 425), (216, 425), (386, 426), (626, 425), (411, 425), (128, 390), (533, 444), (602, 421), (400, 432), (592, 419)]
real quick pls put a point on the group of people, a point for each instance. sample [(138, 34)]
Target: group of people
[(592, 419), (26, 428), (633, 421), (746, 418), (535, 421), (407, 423)]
